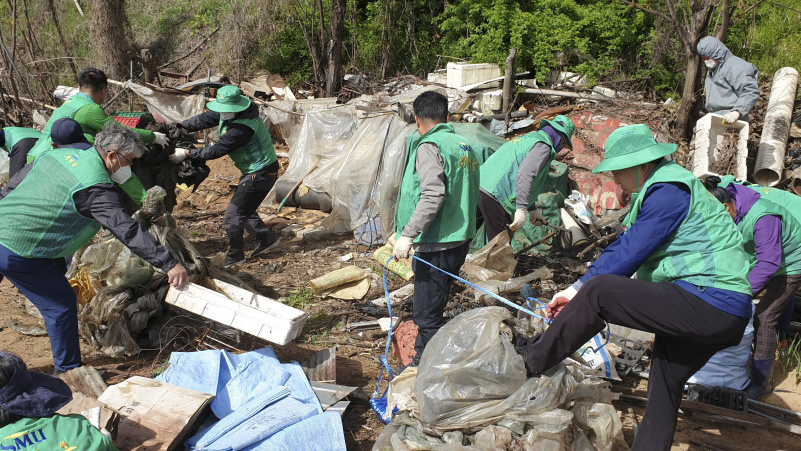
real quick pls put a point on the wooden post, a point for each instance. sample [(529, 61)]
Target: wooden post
[(508, 81)]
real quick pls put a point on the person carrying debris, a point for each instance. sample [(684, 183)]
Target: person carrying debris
[(435, 211), (17, 142), (519, 166), (772, 240), (56, 210), (731, 82), (28, 406), (85, 108), (247, 141), (691, 290)]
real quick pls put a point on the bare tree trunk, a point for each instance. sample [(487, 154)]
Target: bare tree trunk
[(110, 33), (333, 77), (67, 52), (689, 96), (508, 80)]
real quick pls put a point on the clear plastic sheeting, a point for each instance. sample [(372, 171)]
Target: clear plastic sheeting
[(495, 260), (4, 166), (390, 177), (168, 107), (602, 419)]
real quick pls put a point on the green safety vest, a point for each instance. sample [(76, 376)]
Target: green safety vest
[(55, 432), (13, 135), (788, 200), (499, 172), (68, 109), (40, 217), (706, 250), (791, 235), (258, 153), (456, 220)]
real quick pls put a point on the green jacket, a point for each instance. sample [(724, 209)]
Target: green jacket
[(46, 222), (499, 172), (706, 250), (56, 432), (456, 220)]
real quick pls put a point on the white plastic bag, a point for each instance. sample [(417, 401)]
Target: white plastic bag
[(4, 165)]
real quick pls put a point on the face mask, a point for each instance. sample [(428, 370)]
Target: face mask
[(227, 116), (711, 64), (121, 175)]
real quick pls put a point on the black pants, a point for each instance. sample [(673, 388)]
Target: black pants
[(19, 155), (492, 215), (688, 332), (431, 289), (241, 213)]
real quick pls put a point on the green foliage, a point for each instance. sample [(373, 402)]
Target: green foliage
[(584, 36), (285, 54), (768, 36), (300, 299), (790, 357)]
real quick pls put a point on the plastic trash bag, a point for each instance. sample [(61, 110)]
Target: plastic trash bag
[(603, 422), (470, 375), (493, 261)]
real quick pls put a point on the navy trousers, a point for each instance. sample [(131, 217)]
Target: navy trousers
[(431, 289), (42, 281)]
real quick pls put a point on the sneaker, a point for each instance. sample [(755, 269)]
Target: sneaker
[(265, 245), (233, 259)]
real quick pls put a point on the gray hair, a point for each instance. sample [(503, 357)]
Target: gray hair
[(123, 140)]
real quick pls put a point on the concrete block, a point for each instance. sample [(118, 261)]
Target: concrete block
[(463, 74), (709, 131)]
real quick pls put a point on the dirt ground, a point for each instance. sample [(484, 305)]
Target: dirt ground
[(285, 272)]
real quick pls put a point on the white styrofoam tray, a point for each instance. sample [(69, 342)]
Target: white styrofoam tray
[(241, 309), (709, 131)]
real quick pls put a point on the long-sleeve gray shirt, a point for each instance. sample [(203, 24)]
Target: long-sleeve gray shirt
[(535, 162)]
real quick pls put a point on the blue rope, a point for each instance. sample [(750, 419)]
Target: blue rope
[(504, 300)]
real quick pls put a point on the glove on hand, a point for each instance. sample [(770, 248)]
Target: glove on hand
[(559, 301), (520, 219), (536, 218), (161, 139), (731, 117), (402, 247), (178, 156)]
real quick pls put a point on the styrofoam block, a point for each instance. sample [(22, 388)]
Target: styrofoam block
[(260, 316), (709, 131), (492, 99), (440, 76), (463, 74)]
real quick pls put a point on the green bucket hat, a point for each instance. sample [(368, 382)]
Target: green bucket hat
[(563, 125), (631, 145), (229, 100)]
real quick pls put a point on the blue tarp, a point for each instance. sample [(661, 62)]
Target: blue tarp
[(262, 404)]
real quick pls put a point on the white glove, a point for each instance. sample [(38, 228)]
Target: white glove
[(161, 139), (731, 117), (178, 156), (536, 218), (568, 293), (520, 219), (402, 247)]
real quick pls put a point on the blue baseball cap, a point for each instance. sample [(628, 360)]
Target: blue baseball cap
[(65, 132), (31, 394)]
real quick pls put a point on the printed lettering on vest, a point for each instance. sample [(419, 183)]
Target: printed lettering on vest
[(22, 440)]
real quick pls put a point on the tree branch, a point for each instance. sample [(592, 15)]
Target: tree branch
[(632, 4), (785, 6)]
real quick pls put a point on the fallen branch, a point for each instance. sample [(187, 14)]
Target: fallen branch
[(49, 107), (600, 242), (191, 51), (533, 245)]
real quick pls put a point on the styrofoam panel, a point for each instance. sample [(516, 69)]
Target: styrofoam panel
[(709, 131), (264, 317)]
